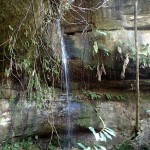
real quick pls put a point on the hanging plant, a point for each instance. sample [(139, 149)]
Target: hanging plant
[(101, 51)]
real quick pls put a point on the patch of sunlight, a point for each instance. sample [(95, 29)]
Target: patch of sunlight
[(4, 121)]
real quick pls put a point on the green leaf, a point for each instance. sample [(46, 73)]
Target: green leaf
[(30, 28), (7, 72), (108, 96), (107, 135), (96, 148), (148, 110), (10, 27), (82, 146), (121, 97), (102, 136), (26, 33), (97, 137), (117, 97), (55, 71), (101, 147), (89, 148), (110, 131), (93, 130), (27, 44), (95, 47), (101, 32)]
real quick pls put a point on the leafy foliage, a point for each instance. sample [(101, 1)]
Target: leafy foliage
[(104, 50), (103, 96), (108, 96), (98, 46), (20, 145), (92, 95), (33, 68), (89, 67), (102, 136), (101, 48), (30, 52), (119, 97), (95, 46), (100, 52)]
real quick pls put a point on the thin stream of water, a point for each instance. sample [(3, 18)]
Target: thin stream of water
[(65, 79)]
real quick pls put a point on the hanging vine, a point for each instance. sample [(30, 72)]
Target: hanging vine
[(33, 47)]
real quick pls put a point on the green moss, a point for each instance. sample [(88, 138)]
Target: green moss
[(145, 97), (86, 116), (105, 24), (24, 144), (16, 19), (84, 122), (127, 145)]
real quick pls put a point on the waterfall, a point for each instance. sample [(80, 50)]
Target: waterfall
[(65, 80)]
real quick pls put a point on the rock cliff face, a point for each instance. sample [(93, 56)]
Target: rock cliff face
[(23, 119), (109, 29), (116, 21)]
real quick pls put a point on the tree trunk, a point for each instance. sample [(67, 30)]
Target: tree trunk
[(137, 70)]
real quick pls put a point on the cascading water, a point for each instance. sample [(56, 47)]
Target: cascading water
[(65, 80)]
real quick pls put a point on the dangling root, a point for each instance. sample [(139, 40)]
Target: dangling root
[(100, 71), (126, 61)]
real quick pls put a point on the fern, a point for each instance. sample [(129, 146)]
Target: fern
[(108, 96), (103, 135)]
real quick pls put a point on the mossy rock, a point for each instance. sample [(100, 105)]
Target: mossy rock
[(16, 16), (127, 145)]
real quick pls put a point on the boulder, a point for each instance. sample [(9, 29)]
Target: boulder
[(24, 118)]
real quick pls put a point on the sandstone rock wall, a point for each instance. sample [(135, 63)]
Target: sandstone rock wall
[(22, 119), (116, 19)]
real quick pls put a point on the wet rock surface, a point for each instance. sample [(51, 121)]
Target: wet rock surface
[(142, 141), (25, 118)]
